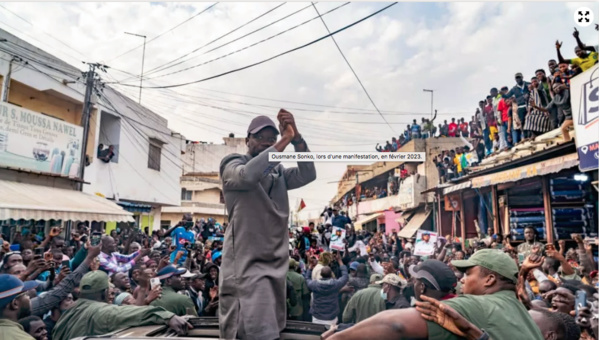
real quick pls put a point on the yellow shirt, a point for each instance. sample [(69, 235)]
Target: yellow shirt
[(585, 63), (457, 162), (492, 132)]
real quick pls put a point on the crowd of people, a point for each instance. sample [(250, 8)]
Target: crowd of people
[(375, 279), (93, 283), (509, 116), (376, 287)]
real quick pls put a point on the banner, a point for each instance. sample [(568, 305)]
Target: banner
[(425, 243), (33, 141), (584, 97), (337, 239), (391, 224)]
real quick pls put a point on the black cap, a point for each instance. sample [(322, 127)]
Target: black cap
[(494, 89), (260, 123), (437, 273)]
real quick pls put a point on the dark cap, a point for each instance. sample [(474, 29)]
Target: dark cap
[(492, 259), (260, 123), (437, 273), (11, 287), (518, 75), (505, 88), (169, 271), (94, 282), (494, 89)]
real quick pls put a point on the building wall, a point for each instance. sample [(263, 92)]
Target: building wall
[(206, 158), (207, 196), (130, 178)]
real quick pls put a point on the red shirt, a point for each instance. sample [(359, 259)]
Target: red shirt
[(504, 108), (453, 127), (464, 127)]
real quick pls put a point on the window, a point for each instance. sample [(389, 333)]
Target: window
[(165, 224), (110, 135), (185, 194), (154, 155)]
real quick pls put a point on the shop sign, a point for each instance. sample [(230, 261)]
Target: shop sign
[(453, 203), (585, 113), (405, 196), (32, 141), (537, 169)]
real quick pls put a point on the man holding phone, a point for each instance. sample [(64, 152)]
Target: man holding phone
[(113, 262), (182, 236), (530, 244)]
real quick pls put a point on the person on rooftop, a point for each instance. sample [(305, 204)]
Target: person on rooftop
[(586, 55)]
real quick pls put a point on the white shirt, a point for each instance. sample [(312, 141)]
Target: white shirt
[(359, 245)]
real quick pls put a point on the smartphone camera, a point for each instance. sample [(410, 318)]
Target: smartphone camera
[(96, 238)]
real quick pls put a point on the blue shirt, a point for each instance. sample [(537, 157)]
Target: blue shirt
[(181, 237)]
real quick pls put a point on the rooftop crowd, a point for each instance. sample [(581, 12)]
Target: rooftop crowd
[(508, 116)]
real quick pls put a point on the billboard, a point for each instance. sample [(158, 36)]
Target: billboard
[(585, 114), (32, 141)]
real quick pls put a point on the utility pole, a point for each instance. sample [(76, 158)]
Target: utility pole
[(6, 83), (90, 82), (143, 58), (431, 91)]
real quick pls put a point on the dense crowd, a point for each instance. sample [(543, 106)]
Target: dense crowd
[(52, 288), (533, 282), (507, 116)]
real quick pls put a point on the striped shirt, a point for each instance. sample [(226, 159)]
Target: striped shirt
[(536, 120), (116, 262), (45, 302)]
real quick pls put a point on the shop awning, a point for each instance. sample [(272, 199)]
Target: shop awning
[(549, 166), (414, 223), (457, 187), (134, 207), (369, 218), (37, 202)]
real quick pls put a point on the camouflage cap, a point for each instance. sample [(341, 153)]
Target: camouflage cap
[(394, 280)]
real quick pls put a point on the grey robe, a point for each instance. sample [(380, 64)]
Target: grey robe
[(256, 248)]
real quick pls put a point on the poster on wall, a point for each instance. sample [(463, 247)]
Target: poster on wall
[(337, 239), (425, 243), (33, 141), (585, 115)]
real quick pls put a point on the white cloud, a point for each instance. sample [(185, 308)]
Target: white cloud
[(458, 49)]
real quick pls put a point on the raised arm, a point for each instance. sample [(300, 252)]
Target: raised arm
[(580, 44), (561, 59), (387, 325), (304, 173)]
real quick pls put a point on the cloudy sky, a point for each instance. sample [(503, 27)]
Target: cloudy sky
[(460, 50)]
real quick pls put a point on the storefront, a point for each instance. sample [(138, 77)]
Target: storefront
[(551, 195), (35, 208)]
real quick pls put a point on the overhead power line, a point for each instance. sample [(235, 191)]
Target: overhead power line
[(249, 46), (271, 58), (352, 69), (165, 32), (166, 65)]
